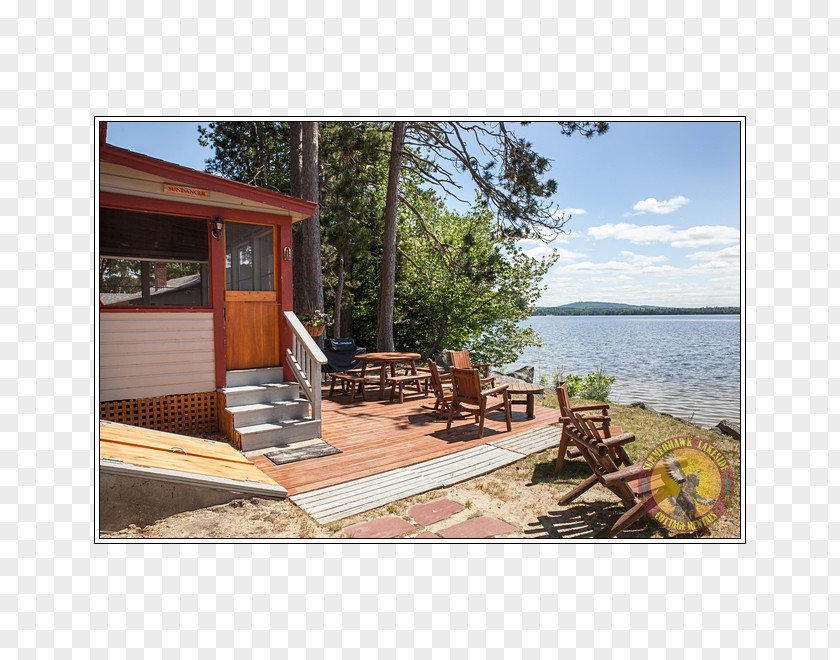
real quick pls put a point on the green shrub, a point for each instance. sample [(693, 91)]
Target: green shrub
[(597, 385), (554, 380), (574, 384)]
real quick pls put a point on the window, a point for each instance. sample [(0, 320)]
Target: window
[(148, 259), (249, 258)]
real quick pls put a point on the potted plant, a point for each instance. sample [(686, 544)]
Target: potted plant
[(315, 322)]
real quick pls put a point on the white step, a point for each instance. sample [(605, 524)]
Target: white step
[(264, 393), (260, 413), (281, 433), (239, 377)]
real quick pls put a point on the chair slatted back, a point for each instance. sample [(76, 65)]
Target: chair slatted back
[(460, 359), (599, 457), (563, 398), (466, 386), (437, 385)]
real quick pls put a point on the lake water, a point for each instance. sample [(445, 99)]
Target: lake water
[(687, 366)]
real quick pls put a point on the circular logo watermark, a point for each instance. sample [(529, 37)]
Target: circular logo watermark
[(689, 482)]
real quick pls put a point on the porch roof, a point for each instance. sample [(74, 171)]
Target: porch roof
[(221, 192)]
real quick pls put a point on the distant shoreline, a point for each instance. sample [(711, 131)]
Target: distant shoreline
[(633, 311)]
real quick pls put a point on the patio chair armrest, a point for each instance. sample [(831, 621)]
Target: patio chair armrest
[(617, 440), (589, 418), (623, 475), (495, 390), (605, 407)]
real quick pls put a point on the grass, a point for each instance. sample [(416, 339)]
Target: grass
[(650, 429), (536, 473)]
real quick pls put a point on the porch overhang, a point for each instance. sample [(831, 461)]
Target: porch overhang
[(127, 172)]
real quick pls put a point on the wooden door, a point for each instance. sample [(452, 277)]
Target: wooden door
[(252, 304)]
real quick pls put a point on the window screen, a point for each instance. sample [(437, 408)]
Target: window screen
[(249, 258), (148, 259)]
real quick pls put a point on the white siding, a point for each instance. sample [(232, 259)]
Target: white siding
[(155, 354)]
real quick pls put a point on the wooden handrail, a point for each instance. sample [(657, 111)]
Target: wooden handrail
[(305, 359)]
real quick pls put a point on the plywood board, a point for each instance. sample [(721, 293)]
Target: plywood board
[(170, 451)]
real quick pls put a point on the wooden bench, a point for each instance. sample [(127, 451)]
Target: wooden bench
[(399, 382), (353, 380)]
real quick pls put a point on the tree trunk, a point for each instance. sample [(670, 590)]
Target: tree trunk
[(263, 155), (295, 154), (311, 227), (385, 318), (339, 293)]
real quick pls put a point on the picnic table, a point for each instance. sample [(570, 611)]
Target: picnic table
[(391, 359)]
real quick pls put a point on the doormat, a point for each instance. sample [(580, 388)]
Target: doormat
[(292, 455)]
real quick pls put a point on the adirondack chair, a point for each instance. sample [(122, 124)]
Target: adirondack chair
[(468, 396), (606, 456), (461, 360), (443, 391), (565, 404)]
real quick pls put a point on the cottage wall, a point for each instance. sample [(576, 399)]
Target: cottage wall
[(155, 354)]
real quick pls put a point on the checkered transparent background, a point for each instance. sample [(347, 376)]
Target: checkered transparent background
[(775, 63)]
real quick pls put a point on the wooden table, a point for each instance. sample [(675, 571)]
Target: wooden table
[(529, 390), (385, 360)]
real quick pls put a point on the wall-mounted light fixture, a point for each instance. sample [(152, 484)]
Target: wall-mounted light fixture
[(218, 225), (287, 253)]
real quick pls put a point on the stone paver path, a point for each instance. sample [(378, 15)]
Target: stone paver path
[(380, 528), (481, 527), (434, 511), (477, 528)]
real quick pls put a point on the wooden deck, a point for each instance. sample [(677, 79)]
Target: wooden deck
[(335, 502), (378, 436)]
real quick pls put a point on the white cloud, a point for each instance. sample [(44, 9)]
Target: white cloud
[(537, 249), (570, 211), (705, 235), (652, 205), (732, 253), (645, 234), (568, 255), (638, 234), (631, 263), (565, 238), (726, 259), (680, 288)]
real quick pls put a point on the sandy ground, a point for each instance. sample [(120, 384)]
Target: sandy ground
[(521, 495), (259, 518)]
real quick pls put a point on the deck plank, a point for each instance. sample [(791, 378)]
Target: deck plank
[(345, 499), (531, 443), (379, 436)]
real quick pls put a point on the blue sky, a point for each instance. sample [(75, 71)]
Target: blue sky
[(654, 206), (655, 214)]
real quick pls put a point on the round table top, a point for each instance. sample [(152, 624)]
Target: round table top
[(525, 388), (387, 357)]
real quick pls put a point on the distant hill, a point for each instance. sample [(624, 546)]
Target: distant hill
[(590, 308), (601, 305)]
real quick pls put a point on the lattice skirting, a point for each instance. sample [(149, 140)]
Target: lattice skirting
[(188, 414)]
